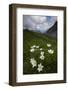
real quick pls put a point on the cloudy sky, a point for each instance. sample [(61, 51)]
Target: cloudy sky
[(38, 23)]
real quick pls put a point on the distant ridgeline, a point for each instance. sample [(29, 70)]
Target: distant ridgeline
[(52, 32)]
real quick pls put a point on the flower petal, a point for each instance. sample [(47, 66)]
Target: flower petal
[(48, 45)]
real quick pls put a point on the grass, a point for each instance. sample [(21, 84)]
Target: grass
[(50, 62)]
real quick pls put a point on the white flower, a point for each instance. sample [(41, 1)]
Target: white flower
[(50, 51), (41, 49), (32, 50), (42, 57), (48, 45), (40, 67), (37, 46), (42, 53), (33, 62), (32, 47)]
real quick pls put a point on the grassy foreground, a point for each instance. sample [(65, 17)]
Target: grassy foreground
[(50, 62)]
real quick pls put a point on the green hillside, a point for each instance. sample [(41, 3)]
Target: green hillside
[(50, 61)]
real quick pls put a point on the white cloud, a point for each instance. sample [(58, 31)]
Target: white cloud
[(38, 19), (38, 23)]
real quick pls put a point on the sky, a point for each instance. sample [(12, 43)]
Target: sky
[(38, 23)]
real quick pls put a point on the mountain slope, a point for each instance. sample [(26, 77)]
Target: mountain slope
[(52, 31)]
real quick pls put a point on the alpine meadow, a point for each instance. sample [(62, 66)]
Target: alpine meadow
[(39, 45)]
